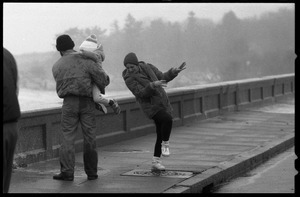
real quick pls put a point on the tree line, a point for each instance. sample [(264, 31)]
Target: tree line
[(231, 49)]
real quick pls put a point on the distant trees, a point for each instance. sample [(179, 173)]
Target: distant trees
[(231, 49)]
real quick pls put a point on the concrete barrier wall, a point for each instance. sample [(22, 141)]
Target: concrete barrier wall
[(39, 131)]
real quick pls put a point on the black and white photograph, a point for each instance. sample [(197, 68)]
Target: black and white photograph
[(149, 97)]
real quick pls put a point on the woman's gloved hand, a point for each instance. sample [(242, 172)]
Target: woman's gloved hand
[(179, 69)]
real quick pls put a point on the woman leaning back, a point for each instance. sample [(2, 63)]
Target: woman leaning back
[(147, 82)]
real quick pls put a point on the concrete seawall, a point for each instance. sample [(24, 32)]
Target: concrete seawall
[(39, 132)]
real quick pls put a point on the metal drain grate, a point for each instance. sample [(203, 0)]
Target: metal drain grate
[(167, 173)]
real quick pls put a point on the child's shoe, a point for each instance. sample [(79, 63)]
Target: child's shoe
[(101, 107), (165, 151), (114, 105)]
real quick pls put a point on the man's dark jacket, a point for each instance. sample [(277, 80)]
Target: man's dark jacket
[(11, 108)]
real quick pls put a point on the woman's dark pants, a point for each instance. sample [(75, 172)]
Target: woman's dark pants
[(163, 122)]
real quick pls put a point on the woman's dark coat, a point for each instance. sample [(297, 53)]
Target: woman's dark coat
[(150, 99)]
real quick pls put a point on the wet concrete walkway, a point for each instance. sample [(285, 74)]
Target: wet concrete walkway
[(203, 153)]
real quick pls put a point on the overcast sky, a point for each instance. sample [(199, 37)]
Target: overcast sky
[(31, 27)]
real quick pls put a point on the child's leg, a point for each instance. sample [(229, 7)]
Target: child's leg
[(99, 100), (98, 97)]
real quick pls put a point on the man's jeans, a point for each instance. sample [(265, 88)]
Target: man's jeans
[(77, 110)]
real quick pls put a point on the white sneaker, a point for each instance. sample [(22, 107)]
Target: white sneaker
[(156, 164), (165, 151)]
